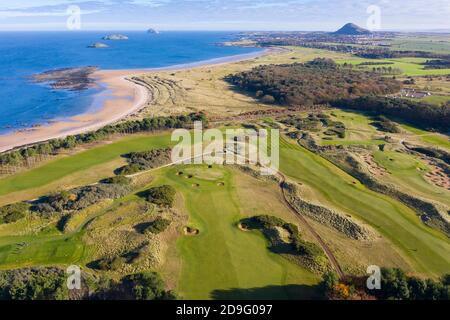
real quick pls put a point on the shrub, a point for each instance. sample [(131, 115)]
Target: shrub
[(109, 264), (78, 198), (33, 284), (157, 226), (396, 284), (120, 180), (146, 286), (420, 114), (129, 169), (145, 160), (13, 212), (162, 196)]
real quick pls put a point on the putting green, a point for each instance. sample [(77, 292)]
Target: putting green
[(222, 258)]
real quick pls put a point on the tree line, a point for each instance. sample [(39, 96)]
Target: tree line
[(27, 156), (319, 81), (395, 284), (417, 113), (50, 283)]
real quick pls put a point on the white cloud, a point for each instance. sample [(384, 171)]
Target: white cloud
[(17, 14)]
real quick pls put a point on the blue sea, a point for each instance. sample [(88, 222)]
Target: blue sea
[(24, 103)]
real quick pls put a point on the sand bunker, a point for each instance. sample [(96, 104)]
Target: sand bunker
[(373, 167), (242, 226), (189, 231), (438, 177)]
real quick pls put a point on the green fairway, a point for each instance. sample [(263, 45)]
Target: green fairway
[(408, 172), (61, 167), (437, 44), (409, 66), (427, 249), (437, 139), (222, 257), (24, 251), (435, 99)]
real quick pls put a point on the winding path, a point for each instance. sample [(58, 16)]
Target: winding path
[(314, 233)]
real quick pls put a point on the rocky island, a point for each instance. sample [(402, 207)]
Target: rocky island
[(98, 45), (73, 79), (115, 37)]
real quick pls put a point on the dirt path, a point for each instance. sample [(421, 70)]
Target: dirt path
[(319, 239)]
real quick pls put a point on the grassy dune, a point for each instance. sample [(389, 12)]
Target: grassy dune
[(426, 249)]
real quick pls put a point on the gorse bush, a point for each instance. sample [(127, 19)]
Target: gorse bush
[(163, 196), (267, 225), (50, 283), (139, 161), (156, 226), (33, 284), (79, 198), (119, 180), (13, 212)]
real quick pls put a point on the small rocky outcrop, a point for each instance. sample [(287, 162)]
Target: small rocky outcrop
[(115, 37), (74, 79), (98, 45)]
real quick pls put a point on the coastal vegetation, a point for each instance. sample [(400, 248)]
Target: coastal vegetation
[(146, 234), (395, 285), (316, 82), (161, 196), (28, 155), (144, 160), (50, 283)]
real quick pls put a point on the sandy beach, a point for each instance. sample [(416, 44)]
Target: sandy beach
[(121, 98)]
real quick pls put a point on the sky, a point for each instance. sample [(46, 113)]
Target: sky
[(304, 15)]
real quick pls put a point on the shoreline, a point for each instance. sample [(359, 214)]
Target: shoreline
[(121, 98)]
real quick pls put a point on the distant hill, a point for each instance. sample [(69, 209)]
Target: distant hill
[(352, 29)]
